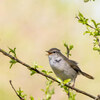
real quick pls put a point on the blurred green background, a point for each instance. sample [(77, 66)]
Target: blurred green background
[(33, 26)]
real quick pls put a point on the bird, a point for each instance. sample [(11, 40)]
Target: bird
[(63, 67)]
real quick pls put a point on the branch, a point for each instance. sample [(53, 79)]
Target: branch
[(41, 73), (67, 51), (15, 90), (90, 26), (86, 23)]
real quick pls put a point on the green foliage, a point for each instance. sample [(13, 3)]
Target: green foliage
[(12, 61), (66, 81), (93, 29), (88, 0), (82, 19), (32, 72), (71, 95), (48, 92), (31, 98), (36, 66), (20, 93), (59, 80), (46, 72), (13, 51), (69, 48)]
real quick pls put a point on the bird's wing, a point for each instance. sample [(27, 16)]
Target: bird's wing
[(74, 65)]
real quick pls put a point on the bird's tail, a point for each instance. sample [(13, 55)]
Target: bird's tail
[(87, 75)]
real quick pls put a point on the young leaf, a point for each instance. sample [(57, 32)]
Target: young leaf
[(96, 48), (66, 81), (44, 71), (48, 91), (13, 51), (71, 47), (31, 98), (12, 61), (94, 23), (98, 24), (20, 93), (32, 72), (86, 0), (80, 15), (58, 79), (66, 45)]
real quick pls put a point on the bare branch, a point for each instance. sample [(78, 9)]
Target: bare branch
[(48, 76), (15, 90)]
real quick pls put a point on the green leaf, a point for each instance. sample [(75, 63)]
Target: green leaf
[(98, 24), (71, 47), (86, 0), (72, 96), (48, 91), (80, 15), (12, 61), (65, 44), (96, 48), (59, 80), (32, 72), (13, 51), (40, 66), (85, 32), (86, 21), (20, 93), (50, 72), (44, 71), (43, 90), (35, 66), (31, 98), (66, 81), (94, 23)]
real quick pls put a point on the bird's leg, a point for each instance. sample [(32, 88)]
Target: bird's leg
[(73, 84)]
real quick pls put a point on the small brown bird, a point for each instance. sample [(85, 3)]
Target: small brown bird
[(63, 67)]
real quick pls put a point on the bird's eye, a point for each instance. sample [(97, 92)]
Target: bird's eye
[(54, 52)]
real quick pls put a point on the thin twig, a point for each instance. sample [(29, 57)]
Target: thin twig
[(48, 76), (92, 28), (86, 23), (68, 51), (15, 90)]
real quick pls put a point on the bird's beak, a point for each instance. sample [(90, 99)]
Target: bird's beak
[(48, 52)]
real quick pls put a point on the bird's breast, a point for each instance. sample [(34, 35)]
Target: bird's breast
[(61, 68), (58, 63)]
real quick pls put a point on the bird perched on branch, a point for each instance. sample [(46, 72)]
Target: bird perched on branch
[(63, 67)]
